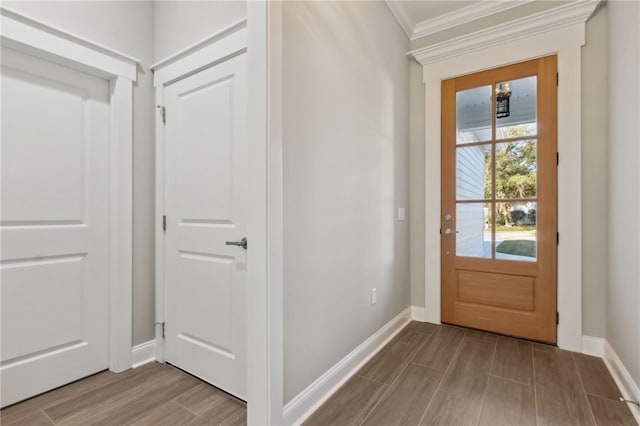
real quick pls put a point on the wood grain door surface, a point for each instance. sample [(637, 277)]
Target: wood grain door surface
[(499, 200)]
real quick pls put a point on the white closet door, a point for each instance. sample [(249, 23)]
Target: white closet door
[(205, 206), (53, 225)]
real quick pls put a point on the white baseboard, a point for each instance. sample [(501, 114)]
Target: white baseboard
[(143, 353), (419, 313), (623, 379), (593, 346), (310, 399)]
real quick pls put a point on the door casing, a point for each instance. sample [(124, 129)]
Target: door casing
[(205, 142), (538, 320), (44, 41), (228, 43), (460, 59), (263, 41)]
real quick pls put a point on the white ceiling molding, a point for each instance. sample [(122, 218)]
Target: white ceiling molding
[(562, 16), (462, 16), (401, 17)]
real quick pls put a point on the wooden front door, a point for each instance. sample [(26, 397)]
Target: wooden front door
[(499, 200)]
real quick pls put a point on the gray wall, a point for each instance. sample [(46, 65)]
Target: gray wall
[(593, 162), (623, 183), (346, 160), (594, 176), (126, 27), (417, 184), (179, 24)]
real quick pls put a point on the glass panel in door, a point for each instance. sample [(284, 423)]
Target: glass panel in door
[(496, 171), (473, 107), (499, 200)]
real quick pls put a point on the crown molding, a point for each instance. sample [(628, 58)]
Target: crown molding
[(463, 16), (403, 20), (562, 16)]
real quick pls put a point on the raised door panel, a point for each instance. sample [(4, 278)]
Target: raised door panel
[(209, 277), (205, 155), (44, 178), (55, 287)]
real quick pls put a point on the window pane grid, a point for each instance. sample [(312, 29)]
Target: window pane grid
[(516, 139), (502, 224)]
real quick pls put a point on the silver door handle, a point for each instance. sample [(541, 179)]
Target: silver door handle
[(242, 243), (448, 231)]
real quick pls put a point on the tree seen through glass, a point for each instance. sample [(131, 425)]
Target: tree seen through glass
[(516, 173)]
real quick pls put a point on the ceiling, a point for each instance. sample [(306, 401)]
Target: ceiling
[(418, 11), (419, 18)]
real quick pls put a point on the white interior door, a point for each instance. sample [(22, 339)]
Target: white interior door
[(205, 147), (53, 225)]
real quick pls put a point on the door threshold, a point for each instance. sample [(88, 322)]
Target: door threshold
[(541, 342), (242, 401)]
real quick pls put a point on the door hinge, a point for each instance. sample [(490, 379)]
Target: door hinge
[(163, 113), (164, 223), (557, 158), (557, 318), (162, 324), (557, 79), (557, 238)]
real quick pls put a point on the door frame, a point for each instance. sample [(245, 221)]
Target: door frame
[(41, 40), (560, 31), (265, 280), (536, 322), (219, 47), (260, 36)]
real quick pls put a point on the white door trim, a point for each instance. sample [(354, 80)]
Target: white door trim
[(265, 365), (41, 40), (469, 56), (262, 39), (218, 47), (224, 44), (264, 276), (265, 284)]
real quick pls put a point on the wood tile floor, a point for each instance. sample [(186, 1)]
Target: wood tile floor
[(153, 394), (427, 375), (441, 375)]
